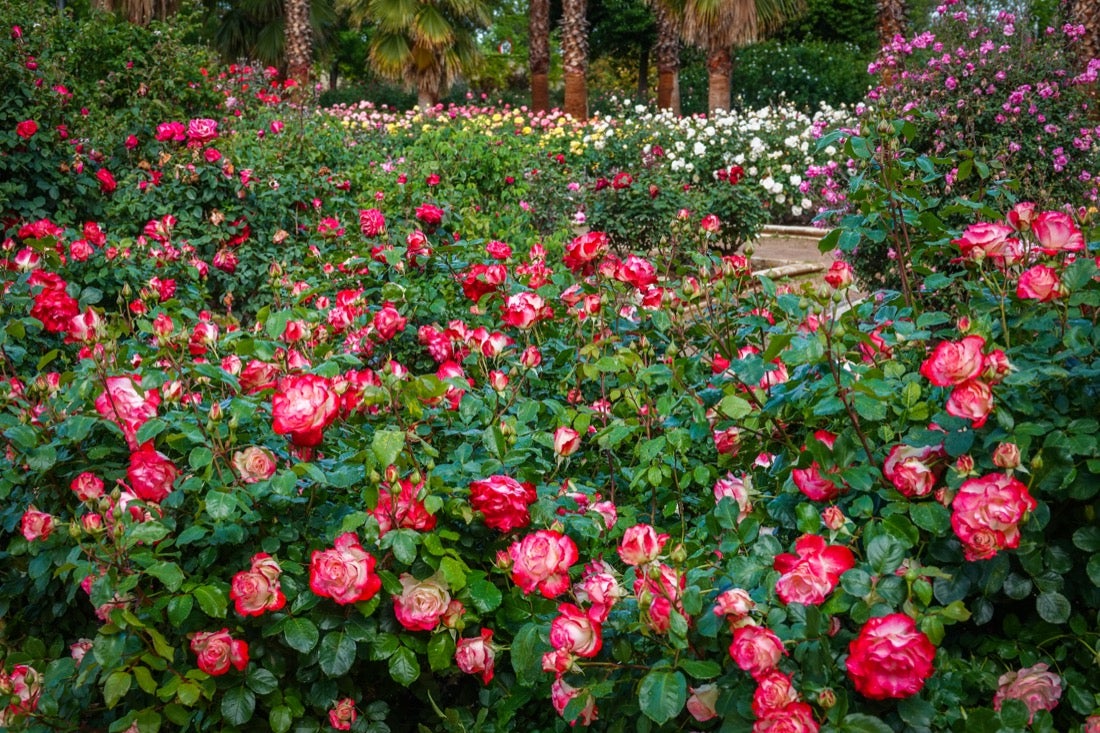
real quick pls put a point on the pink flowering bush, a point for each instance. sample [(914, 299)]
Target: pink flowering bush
[(456, 471)]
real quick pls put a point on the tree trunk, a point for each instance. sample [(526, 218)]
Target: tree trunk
[(1086, 13), (574, 57), (666, 50), (643, 76), (299, 46), (891, 20), (538, 41), (719, 65)]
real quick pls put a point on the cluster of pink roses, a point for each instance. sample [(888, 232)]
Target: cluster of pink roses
[(986, 514), (965, 366)]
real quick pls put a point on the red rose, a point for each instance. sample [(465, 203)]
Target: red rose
[(151, 474), (107, 182), (954, 362), (524, 310), (756, 650), (372, 223), (388, 322), (26, 129), (476, 655), (973, 400), (302, 407), (480, 279), (914, 471), (582, 251), (811, 576), (52, 305), (636, 271), (258, 590), (641, 545), (344, 573), (541, 561), (986, 514), (813, 484), (503, 501), (890, 658), (429, 215), (840, 275), (217, 650)]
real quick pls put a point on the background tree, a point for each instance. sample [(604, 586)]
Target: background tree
[(574, 57), (624, 31), (255, 30), (668, 15), (139, 12), (299, 45), (538, 40), (891, 20)]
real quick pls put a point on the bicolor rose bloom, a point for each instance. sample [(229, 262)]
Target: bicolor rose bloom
[(581, 253), (107, 182), (890, 658), (217, 651), (1057, 232), (774, 691), (477, 655), (151, 474), (732, 487), (372, 223), (840, 275), (303, 406), (1036, 686), (914, 471), (636, 271), (954, 362), (562, 693), (986, 514), (810, 577), (1039, 282), (24, 688), (87, 486), (541, 561), (794, 717), (344, 573), (566, 441), (600, 589), (991, 240), (524, 310), (641, 545), (257, 590), (403, 511), (659, 594), (813, 484), (53, 306), (479, 280), (1021, 215), (388, 322), (575, 632), (503, 500), (734, 603), (429, 215), (343, 714), (422, 603), (36, 525), (702, 701), (756, 650), (200, 131), (973, 400), (254, 464)]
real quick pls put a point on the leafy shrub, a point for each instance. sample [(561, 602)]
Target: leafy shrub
[(805, 75)]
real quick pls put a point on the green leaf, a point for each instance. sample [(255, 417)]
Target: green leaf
[(527, 648), (179, 608), (734, 407), (261, 681), (168, 573), (916, 712), (404, 669), (403, 544), (146, 533), (885, 554), (931, 516), (301, 634), (1053, 607), (383, 646), (485, 595), (280, 718), (701, 669), (387, 444), (860, 723), (115, 687), (1093, 570), (238, 704), (220, 505), (441, 651), (337, 654), (24, 436), (151, 429), (662, 695), (200, 457), (211, 600), (1087, 539)]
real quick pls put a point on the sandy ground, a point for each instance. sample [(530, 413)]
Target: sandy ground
[(790, 248)]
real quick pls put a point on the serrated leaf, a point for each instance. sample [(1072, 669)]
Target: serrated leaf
[(860, 723), (301, 634), (200, 457), (930, 516), (526, 654), (220, 505), (662, 695), (211, 600), (168, 573), (280, 718), (238, 704), (701, 669), (441, 651), (1053, 607), (387, 445), (115, 687), (261, 681), (179, 608), (485, 595), (403, 666), (337, 654), (734, 407)]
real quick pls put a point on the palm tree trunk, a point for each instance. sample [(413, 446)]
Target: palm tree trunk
[(1086, 13), (574, 55), (643, 76), (891, 20), (299, 45), (719, 66), (666, 49), (538, 31)]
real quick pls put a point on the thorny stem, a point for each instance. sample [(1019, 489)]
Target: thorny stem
[(842, 394)]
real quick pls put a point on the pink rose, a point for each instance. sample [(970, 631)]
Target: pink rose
[(372, 223), (531, 357), (201, 131), (542, 560), (811, 576), (1037, 687), (151, 474), (973, 400), (405, 511), (217, 650), (24, 688), (429, 215), (476, 655), (343, 714), (257, 590), (600, 589), (702, 701), (732, 487), (254, 464), (303, 406), (422, 603), (756, 650), (794, 717), (774, 691), (498, 250), (566, 441), (711, 224), (988, 239), (1039, 282), (582, 251), (503, 501), (890, 658), (36, 525), (1006, 456), (636, 271), (127, 405), (735, 603), (986, 514), (641, 545), (344, 573), (813, 484), (562, 693), (87, 486), (1021, 215), (107, 182), (524, 310), (727, 441), (914, 471), (575, 632), (840, 275), (1057, 232), (954, 362), (388, 322), (26, 129)]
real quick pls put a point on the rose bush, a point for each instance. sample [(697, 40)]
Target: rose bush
[(330, 487)]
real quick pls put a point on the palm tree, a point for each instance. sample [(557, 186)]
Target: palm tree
[(718, 25), (426, 44), (666, 50), (574, 57), (538, 41), (299, 45), (139, 12), (1086, 13), (891, 20), (256, 29)]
